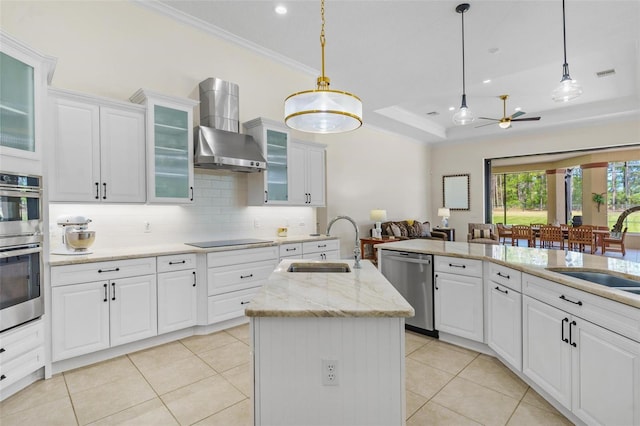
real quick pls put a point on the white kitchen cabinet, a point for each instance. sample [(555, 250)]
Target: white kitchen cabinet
[(270, 187), (24, 74), (98, 150), (321, 250), (290, 251), (458, 297), (169, 146), (233, 277), (88, 316), (307, 164), (177, 292), (504, 313), (21, 353)]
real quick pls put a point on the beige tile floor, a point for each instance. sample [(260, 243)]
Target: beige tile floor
[(205, 380)]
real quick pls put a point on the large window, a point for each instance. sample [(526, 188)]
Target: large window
[(519, 198), (623, 186)]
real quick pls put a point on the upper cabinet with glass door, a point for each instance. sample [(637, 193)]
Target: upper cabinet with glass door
[(169, 147), (24, 74), (270, 187)]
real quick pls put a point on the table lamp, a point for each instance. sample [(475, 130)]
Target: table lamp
[(444, 213), (378, 216)]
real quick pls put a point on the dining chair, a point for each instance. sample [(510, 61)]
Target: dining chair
[(522, 232), (504, 232), (580, 237), (614, 244), (549, 235)]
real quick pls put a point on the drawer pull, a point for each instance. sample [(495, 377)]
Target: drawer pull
[(563, 297), (246, 276), (453, 265), (291, 249), (502, 291), (322, 246), (3, 377), (108, 270), (503, 276), (245, 303), (2, 350), (177, 263)]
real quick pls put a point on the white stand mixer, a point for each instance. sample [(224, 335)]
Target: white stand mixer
[(76, 239)]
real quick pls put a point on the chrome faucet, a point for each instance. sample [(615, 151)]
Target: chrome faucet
[(356, 250)]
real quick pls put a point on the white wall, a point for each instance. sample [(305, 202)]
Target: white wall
[(113, 48)]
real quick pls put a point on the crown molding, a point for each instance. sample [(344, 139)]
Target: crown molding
[(215, 31)]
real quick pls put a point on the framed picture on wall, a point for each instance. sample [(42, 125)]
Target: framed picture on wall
[(455, 192)]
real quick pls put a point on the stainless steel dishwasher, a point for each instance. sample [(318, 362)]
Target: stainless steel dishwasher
[(412, 275)]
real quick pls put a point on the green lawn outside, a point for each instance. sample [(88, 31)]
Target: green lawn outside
[(527, 217)]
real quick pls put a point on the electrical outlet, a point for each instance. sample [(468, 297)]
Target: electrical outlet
[(147, 227), (330, 372)]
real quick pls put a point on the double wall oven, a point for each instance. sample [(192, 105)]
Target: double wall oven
[(21, 295)]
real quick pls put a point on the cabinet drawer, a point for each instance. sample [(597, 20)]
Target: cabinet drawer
[(176, 262), (505, 276), (320, 246), (236, 277), (20, 340), (235, 257), (458, 266), (20, 367), (230, 305), (293, 249), (617, 317), (88, 272)]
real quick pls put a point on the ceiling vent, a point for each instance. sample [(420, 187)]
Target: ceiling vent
[(606, 73), (433, 113)]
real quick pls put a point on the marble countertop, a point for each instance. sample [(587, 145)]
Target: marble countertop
[(360, 293), (536, 262), (118, 253)]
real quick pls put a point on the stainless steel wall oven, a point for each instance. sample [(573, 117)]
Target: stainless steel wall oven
[(21, 296)]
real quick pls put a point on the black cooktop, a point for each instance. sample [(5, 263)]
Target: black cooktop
[(226, 243)]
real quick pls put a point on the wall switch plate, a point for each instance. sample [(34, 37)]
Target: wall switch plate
[(330, 372), (147, 226)]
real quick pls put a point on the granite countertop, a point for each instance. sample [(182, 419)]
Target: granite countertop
[(360, 293), (119, 253), (536, 261)]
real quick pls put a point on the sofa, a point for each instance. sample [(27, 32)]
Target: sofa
[(483, 233), (410, 229)]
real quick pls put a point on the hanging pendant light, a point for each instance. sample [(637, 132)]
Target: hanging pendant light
[(568, 89), (464, 114), (323, 110)]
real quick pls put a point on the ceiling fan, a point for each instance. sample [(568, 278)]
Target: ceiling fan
[(505, 122)]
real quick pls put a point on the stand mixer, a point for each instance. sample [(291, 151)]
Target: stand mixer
[(76, 239)]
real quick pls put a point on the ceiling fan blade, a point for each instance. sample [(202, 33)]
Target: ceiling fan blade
[(517, 114), (487, 118), (488, 124), (527, 119)]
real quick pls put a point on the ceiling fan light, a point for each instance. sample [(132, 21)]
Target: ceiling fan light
[(567, 90), (463, 116), (504, 124), (323, 111)]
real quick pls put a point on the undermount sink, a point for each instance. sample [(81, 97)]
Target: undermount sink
[(318, 267), (605, 279)]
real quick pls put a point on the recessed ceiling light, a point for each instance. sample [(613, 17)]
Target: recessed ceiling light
[(487, 81), (281, 9), (518, 108), (452, 108)]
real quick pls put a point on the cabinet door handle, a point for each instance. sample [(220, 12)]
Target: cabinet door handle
[(503, 276), (245, 303), (108, 270), (104, 193), (2, 350), (563, 297), (246, 276), (105, 292), (453, 265), (113, 291), (194, 279), (97, 191), (266, 196), (191, 188), (435, 282), (177, 263), (571, 342), (502, 291), (3, 377), (564, 339)]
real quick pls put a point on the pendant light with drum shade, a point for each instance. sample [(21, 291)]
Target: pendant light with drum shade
[(464, 115), (568, 89), (323, 110)]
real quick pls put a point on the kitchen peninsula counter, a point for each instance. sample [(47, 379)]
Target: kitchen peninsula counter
[(535, 261)]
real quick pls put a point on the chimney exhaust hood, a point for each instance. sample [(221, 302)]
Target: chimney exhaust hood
[(218, 145)]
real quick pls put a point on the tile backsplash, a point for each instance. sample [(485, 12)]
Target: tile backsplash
[(219, 211)]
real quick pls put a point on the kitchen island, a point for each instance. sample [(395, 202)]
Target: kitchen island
[(328, 348)]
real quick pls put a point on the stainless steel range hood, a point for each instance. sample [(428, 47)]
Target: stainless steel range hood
[(218, 145)]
